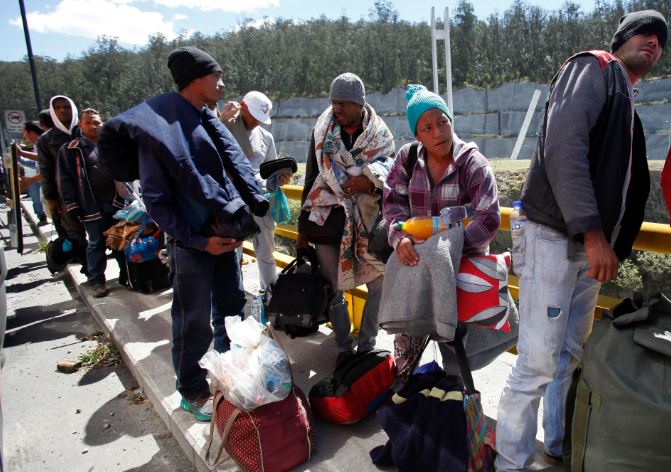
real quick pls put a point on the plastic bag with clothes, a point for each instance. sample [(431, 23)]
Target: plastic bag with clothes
[(255, 371), (279, 206), (134, 211)]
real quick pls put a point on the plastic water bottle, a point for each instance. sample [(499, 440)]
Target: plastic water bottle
[(257, 311), (518, 221)]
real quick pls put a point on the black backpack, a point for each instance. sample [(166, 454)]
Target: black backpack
[(378, 244), (61, 251), (297, 302)]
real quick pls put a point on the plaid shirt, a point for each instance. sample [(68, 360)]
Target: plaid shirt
[(468, 181)]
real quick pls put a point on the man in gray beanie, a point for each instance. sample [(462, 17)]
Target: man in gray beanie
[(349, 157), (584, 198)]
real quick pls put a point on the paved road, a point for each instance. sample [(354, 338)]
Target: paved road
[(84, 421)]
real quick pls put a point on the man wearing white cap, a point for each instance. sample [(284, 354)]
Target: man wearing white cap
[(243, 121)]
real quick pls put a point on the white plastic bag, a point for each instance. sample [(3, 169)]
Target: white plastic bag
[(255, 371)]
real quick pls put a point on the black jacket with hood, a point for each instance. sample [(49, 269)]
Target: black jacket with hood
[(49, 145), (558, 195)]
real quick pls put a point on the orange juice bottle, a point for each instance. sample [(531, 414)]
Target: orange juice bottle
[(422, 227)]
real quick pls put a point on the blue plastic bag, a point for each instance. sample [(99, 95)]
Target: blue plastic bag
[(279, 206), (142, 248)]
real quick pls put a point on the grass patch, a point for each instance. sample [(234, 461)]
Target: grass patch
[(103, 354)]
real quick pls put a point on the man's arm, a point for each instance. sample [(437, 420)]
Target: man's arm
[(575, 104), (66, 181), (236, 164), (161, 199), (47, 168)]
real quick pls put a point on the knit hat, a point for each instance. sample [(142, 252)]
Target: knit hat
[(420, 100), (640, 22), (348, 87), (189, 63)]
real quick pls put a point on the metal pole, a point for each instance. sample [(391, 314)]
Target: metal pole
[(434, 52), (525, 124), (448, 61), (29, 47)]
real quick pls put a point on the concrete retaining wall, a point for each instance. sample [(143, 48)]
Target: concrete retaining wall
[(492, 118)]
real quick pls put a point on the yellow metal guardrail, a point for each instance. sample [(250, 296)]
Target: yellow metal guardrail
[(653, 237)]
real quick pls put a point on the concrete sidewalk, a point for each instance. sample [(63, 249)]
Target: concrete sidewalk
[(140, 327)]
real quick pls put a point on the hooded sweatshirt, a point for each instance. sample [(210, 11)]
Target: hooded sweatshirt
[(469, 181), (50, 143)]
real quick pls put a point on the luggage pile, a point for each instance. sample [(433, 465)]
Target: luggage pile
[(261, 419), (141, 241)]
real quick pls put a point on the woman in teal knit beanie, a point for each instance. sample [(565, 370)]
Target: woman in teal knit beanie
[(420, 100), (445, 172)]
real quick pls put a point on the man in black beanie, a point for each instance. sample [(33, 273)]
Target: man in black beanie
[(192, 172), (584, 198)]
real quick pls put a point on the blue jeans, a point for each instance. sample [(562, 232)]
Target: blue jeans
[(328, 261), (557, 302), (96, 259), (34, 194), (204, 287)]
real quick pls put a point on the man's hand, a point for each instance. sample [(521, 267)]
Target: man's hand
[(601, 259), (358, 184), (301, 242), (285, 178), (230, 112), (217, 245), (405, 250)]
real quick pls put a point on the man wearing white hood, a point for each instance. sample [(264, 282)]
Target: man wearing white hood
[(63, 112)]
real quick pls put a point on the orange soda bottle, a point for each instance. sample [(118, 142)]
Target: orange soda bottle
[(422, 227)]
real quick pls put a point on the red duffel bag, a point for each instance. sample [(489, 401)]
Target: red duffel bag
[(357, 387), (271, 438)]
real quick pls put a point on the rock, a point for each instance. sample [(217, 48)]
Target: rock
[(77, 411), (68, 365), (106, 426)]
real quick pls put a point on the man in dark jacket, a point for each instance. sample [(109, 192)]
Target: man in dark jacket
[(192, 171), (89, 195), (584, 198), (64, 116)]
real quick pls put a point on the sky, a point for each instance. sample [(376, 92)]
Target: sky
[(61, 28)]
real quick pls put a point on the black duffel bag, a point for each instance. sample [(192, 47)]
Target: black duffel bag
[(297, 302)]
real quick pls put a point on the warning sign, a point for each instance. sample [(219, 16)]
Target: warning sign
[(14, 120)]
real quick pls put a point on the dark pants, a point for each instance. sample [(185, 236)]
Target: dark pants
[(204, 287), (96, 259)]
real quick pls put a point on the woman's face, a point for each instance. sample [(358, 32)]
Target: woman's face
[(434, 131)]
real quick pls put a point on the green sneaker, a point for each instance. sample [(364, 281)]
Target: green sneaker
[(201, 409)]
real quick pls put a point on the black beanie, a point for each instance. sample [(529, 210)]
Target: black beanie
[(189, 63), (640, 22)]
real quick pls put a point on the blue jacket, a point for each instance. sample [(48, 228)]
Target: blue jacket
[(190, 166)]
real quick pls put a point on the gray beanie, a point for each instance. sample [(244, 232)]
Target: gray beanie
[(348, 87), (640, 22)]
